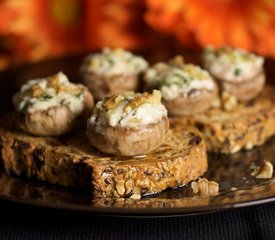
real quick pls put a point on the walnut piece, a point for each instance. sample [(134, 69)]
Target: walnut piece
[(154, 98), (229, 101), (37, 91), (205, 188), (262, 172), (177, 61)]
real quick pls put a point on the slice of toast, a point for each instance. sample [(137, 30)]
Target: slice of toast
[(71, 161), (245, 126)]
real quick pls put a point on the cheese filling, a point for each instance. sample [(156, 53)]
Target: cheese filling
[(53, 91), (114, 61), (173, 81), (129, 110), (232, 64)]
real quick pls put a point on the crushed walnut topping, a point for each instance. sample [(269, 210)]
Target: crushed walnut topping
[(133, 100), (177, 61), (262, 172), (153, 98), (130, 109), (205, 188), (52, 91)]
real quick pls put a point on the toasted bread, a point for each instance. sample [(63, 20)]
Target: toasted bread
[(71, 161), (245, 126)]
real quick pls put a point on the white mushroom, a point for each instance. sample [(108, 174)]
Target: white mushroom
[(187, 89), (128, 124), (52, 106), (111, 72), (237, 71)]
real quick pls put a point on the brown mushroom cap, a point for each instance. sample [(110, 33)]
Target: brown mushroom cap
[(102, 85), (196, 101), (246, 89), (56, 120), (125, 141)]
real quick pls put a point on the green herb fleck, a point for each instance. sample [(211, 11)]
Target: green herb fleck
[(111, 61), (45, 97), (25, 106), (183, 79), (79, 95), (237, 72), (245, 57)]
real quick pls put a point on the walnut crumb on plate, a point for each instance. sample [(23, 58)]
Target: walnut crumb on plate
[(205, 188), (262, 172)]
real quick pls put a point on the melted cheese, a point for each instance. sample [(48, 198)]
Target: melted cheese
[(146, 113), (116, 61), (232, 64), (37, 95)]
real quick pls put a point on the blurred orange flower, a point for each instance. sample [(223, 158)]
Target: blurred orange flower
[(248, 24), (47, 28), (31, 30), (115, 23)]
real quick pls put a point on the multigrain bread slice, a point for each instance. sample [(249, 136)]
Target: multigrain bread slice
[(244, 126), (71, 161)]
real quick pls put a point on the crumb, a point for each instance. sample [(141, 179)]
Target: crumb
[(233, 189), (136, 196), (262, 172), (229, 101), (216, 103), (205, 188)]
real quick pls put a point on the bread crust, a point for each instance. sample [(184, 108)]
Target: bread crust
[(56, 120), (128, 141), (247, 125)]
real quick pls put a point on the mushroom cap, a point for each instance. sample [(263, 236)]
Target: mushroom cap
[(126, 141)]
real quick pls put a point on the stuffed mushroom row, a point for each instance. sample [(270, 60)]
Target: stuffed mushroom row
[(186, 88), (132, 124)]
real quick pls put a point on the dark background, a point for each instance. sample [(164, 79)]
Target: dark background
[(26, 222)]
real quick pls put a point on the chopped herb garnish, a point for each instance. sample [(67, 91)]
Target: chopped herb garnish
[(183, 79), (45, 97), (25, 106), (245, 57), (237, 72), (136, 67), (180, 80), (79, 95), (111, 61)]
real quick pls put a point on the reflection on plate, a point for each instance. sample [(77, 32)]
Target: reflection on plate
[(237, 188)]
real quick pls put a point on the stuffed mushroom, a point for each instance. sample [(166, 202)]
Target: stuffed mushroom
[(112, 71), (128, 124), (186, 89), (52, 106), (237, 71)]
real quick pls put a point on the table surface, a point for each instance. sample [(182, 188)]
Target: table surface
[(28, 222)]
